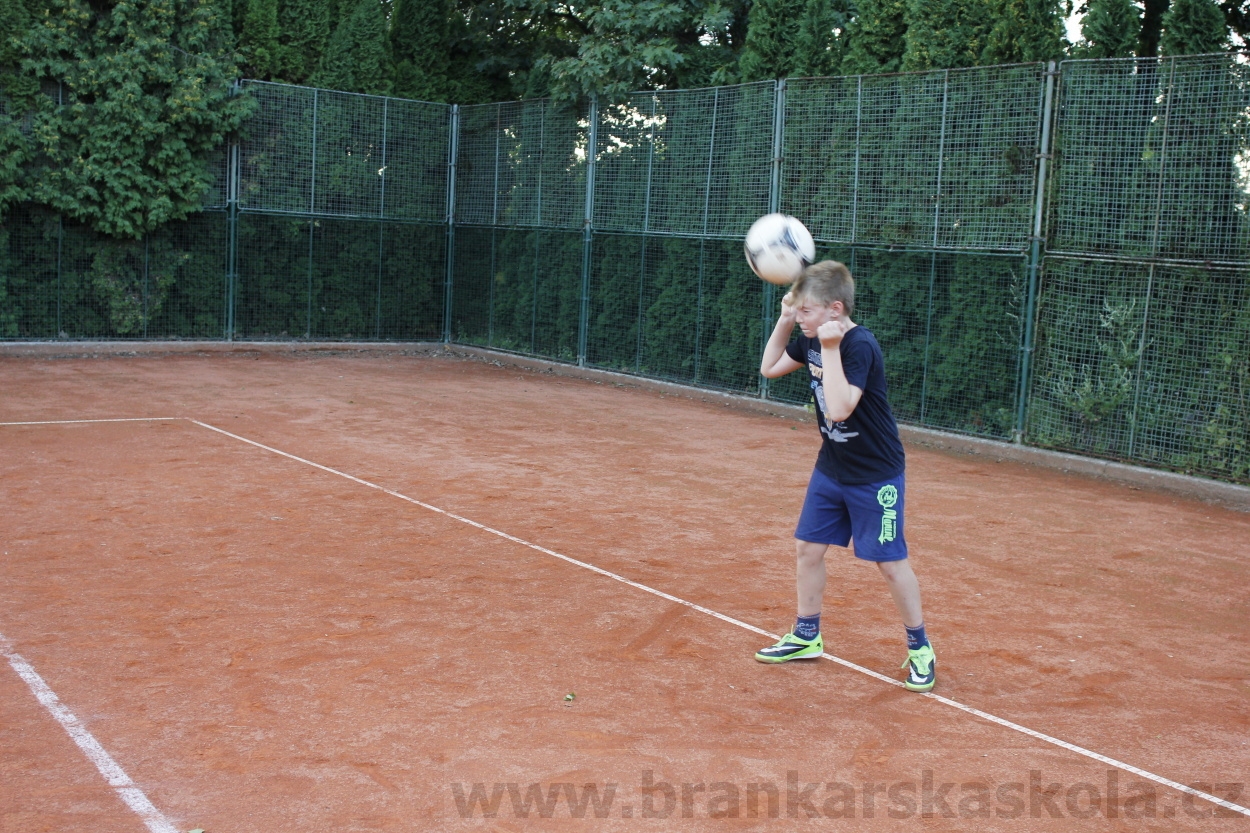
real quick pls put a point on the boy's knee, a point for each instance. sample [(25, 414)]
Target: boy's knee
[(894, 569), (810, 553)]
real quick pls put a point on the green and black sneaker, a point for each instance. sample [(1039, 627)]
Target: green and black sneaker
[(792, 647), (920, 665)]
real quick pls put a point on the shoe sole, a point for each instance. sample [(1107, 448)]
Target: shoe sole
[(794, 656)]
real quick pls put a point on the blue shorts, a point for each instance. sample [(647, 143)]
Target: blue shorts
[(871, 514)]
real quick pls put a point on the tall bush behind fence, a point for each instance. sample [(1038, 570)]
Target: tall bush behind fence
[(1056, 257)]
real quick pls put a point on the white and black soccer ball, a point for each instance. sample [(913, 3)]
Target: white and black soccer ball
[(779, 248)]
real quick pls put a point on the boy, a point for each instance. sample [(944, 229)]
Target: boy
[(856, 490)]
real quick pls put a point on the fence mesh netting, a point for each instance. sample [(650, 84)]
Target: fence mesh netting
[(1059, 257)]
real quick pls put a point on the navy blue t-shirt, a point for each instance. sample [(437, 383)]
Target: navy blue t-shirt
[(865, 447)]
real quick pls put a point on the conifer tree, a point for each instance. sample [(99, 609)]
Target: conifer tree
[(356, 59), (875, 37), (419, 48), (1193, 27), (820, 43), (304, 32), (944, 34), (1025, 31), (259, 39), (772, 29), (1110, 28)]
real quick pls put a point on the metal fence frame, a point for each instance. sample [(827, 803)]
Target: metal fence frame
[(611, 155)]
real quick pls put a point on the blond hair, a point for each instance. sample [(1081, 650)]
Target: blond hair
[(824, 283)]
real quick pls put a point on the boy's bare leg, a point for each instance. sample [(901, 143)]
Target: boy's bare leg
[(810, 576), (905, 590)]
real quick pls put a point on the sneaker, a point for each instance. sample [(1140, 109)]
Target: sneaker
[(921, 665), (792, 647)]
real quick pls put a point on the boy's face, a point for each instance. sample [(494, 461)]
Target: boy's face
[(809, 315)]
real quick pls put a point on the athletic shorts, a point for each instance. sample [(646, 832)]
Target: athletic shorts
[(871, 514)]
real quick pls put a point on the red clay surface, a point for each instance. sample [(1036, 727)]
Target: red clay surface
[(265, 646)]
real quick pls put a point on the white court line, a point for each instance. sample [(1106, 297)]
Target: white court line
[(112, 772), (1062, 744), (82, 421)]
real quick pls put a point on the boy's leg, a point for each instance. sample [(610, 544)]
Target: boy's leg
[(809, 581), (824, 518), (904, 589), (809, 576)]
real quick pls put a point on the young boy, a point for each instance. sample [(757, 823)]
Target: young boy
[(856, 490)]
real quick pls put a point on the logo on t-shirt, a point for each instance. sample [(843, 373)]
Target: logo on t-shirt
[(835, 431)]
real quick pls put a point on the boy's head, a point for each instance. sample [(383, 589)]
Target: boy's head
[(824, 284)]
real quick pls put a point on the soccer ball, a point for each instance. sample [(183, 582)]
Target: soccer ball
[(779, 248)]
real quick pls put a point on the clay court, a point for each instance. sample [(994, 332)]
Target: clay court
[(346, 592)]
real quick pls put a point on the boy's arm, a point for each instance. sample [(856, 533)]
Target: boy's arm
[(776, 361), (841, 396)]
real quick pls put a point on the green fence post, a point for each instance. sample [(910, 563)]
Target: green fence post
[(1150, 275), (588, 224), (377, 327), (937, 219), (774, 205), (453, 149), (232, 226), (1035, 252), (646, 228), (312, 210)]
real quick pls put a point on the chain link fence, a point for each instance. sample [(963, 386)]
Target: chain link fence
[(1057, 255)]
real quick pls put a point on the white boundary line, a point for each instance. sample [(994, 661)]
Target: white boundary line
[(84, 421), (1062, 744), (113, 773), (111, 767)]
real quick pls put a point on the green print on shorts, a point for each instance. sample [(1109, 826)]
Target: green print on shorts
[(887, 496)]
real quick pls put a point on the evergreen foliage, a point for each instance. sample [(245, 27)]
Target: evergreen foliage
[(1110, 28), (356, 58), (1025, 31), (820, 44), (145, 100), (419, 48), (944, 34), (876, 37), (1193, 27), (772, 34), (304, 31), (258, 42)]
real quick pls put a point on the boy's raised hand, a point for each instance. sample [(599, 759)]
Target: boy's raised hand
[(788, 309), (830, 333)]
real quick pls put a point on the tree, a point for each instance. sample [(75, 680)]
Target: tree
[(356, 59), (772, 34), (145, 100), (1025, 31), (304, 31), (18, 94), (1193, 27), (418, 39), (875, 37), (820, 44), (1110, 28), (259, 39), (943, 34)]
